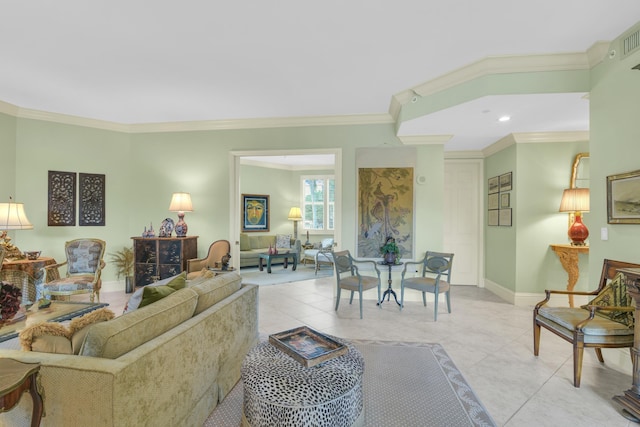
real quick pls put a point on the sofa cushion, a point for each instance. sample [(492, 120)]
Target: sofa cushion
[(136, 298), (152, 294), (216, 289), (262, 242), (116, 337), (79, 327), (283, 241), (46, 337), (245, 244)]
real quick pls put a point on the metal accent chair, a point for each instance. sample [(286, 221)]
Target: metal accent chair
[(605, 322), (84, 269), (348, 276), (217, 250), (435, 278)]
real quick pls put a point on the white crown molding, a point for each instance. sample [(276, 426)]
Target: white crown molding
[(504, 65), (424, 139), (26, 113), (471, 154), (269, 165), (535, 138), (598, 52)]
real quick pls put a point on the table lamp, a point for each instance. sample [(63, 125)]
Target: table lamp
[(576, 201), (12, 217), (295, 215), (181, 203)]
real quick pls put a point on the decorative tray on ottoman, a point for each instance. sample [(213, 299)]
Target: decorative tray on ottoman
[(307, 346)]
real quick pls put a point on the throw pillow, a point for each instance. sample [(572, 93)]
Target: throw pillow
[(283, 241), (151, 294), (614, 294), (79, 326), (46, 337), (136, 298)]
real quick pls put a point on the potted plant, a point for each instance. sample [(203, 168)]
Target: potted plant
[(123, 261), (390, 251)]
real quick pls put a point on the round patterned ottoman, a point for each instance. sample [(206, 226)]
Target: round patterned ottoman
[(279, 391)]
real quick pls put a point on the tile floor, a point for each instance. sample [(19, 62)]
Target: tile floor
[(489, 340)]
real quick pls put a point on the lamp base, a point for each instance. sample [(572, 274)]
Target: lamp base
[(578, 232), (181, 226)]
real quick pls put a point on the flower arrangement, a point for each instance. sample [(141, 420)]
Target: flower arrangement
[(10, 298), (390, 251)]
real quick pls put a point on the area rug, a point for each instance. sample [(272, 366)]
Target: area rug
[(280, 275), (405, 384)]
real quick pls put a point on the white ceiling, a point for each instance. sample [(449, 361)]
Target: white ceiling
[(137, 61)]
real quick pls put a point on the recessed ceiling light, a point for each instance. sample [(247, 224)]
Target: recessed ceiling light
[(504, 119)]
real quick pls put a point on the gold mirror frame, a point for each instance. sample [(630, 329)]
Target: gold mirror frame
[(574, 170)]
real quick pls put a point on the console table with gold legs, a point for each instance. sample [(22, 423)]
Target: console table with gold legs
[(568, 255)]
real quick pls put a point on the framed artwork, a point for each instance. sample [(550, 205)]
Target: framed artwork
[(307, 346), (493, 201), (61, 203), (385, 208), (494, 185), (623, 198), (492, 217), (255, 212), (505, 200), (505, 182), (505, 217), (91, 199)]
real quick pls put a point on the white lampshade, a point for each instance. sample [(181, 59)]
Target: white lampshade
[(295, 214), (575, 200), (12, 217), (181, 202)]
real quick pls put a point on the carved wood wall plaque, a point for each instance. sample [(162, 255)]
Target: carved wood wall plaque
[(62, 199), (92, 199)]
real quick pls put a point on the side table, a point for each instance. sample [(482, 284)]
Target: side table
[(568, 255), (389, 290), (16, 378)]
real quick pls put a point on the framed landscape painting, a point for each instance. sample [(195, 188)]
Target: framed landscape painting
[(255, 212), (623, 198)]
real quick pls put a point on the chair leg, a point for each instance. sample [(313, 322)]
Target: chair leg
[(536, 337), (424, 298), (351, 298), (338, 298), (360, 303), (435, 307), (599, 354), (578, 351), (401, 297), (448, 301)]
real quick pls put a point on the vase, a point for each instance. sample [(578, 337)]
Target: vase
[(390, 258)]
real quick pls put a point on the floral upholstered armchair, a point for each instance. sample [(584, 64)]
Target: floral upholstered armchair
[(84, 269)]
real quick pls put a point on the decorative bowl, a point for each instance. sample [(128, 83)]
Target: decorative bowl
[(32, 254)]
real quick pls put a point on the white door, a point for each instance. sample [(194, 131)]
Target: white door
[(463, 219)]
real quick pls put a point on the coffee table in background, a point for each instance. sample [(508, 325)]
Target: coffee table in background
[(284, 256), (58, 311)]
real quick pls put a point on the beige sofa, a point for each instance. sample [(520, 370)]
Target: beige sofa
[(252, 245), (166, 364)]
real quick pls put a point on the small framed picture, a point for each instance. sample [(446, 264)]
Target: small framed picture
[(494, 185), (492, 202), (505, 200), (492, 217), (505, 182), (505, 217), (623, 198)]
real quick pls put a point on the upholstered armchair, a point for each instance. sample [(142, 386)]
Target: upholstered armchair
[(348, 276), (217, 250), (321, 254), (84, 266), (435, 278), (604, 322)]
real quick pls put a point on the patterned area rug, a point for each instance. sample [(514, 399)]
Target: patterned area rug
[(280, 275), (405, 384)]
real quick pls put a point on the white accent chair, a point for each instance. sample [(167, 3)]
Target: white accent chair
[(322, 254)]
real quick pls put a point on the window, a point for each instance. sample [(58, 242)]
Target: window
[(318, 202)]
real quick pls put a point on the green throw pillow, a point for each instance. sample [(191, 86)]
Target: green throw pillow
[(151, 294), (614, 294)]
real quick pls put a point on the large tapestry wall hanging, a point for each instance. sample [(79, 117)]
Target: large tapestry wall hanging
[(385, 209), (92, 199), (62, 199)]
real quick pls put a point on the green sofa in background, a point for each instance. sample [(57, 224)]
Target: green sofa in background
[(251, 245)]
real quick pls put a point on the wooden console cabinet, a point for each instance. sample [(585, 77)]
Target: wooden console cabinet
[(157, 258)]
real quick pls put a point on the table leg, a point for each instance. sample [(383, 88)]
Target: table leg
[(260, 263), (286, 262), (295, 262), (389, 291), (38, 407), (269, 265)]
